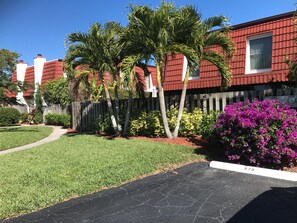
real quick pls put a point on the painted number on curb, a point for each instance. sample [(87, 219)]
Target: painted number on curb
[(250, 169)]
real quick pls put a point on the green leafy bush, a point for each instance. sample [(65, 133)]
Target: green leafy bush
[(24, 117), (147, 124), (104, 125), (58, 119), (190, 122), (9, 116), (38, 118), (57, 92), (150, 124), (207, 130)]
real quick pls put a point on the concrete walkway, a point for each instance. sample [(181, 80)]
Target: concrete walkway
[(56, 134), (195, 193)]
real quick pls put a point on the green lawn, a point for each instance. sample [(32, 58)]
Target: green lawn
[(77, 165), (18, 136)]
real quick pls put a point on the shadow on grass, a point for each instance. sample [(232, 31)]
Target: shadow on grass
[(206, 149), (18, 129)]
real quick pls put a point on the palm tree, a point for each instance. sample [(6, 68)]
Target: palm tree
[(153, 33), (132, 81), (100, 50), (202, 39)]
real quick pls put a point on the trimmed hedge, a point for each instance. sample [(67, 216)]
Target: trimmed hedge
[(58, 119), (9, 116)]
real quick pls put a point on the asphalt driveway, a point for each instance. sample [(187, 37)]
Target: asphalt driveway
[(193, 193)]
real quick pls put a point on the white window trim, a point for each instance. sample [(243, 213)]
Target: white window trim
[(247, 59), (185, 66), (150, 87)]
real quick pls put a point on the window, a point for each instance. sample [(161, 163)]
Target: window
[(148, 83), (259, 54), (193, 74)]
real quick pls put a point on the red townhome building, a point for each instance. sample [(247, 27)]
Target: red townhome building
[(262, 47), (43, 71)]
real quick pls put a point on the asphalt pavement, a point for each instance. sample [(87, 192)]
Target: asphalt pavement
[(192, 193)]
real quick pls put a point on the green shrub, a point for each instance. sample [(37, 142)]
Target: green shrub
[(207, 130), (57, 92), (9, 116), (147, 124), (150, 124), (38, 118), (189, 124), (104, 125), (24, 117), (58, 119)]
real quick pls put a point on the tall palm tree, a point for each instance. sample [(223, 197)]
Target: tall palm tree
[(132, 81), (100, 50), (202, 39), (153, 33)]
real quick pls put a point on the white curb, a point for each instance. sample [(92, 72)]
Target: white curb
[(283, 175)]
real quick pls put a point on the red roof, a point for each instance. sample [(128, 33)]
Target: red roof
[(54, 69), (51, 70)]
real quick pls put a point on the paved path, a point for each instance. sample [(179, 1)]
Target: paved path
[(193, 193), (56, 134)]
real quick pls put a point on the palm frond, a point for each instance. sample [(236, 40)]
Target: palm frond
[(215, 21), (220, 39), (218, 60)]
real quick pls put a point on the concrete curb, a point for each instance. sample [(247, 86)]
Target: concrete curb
[(277, 174), (56, 134)]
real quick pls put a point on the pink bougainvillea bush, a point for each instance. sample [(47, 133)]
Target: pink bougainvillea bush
[(260, 133)]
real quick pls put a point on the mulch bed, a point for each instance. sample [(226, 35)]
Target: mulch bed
[(193, 141)]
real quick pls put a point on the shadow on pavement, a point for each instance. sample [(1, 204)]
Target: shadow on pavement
[(275, 205)]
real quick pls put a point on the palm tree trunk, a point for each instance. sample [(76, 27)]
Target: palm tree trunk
[(162, 103), (128, 113), (117, 108), (110, 109), (181, 104)]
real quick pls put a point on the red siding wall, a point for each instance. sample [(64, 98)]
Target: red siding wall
[(282, 45)]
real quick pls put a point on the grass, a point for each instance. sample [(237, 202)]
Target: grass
[(18, 136), (77, 165)]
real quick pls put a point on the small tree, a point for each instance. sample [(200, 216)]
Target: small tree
[(8, 61), (56, 92), (38, 106)]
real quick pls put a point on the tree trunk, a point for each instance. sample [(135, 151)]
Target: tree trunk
[(117, 108), (181, 104), (163, 111), (110, 109), (128, 113), (162, 101)]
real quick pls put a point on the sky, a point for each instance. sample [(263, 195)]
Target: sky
[(31, 27)]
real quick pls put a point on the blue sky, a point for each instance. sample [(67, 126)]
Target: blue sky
[(30, 27)]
